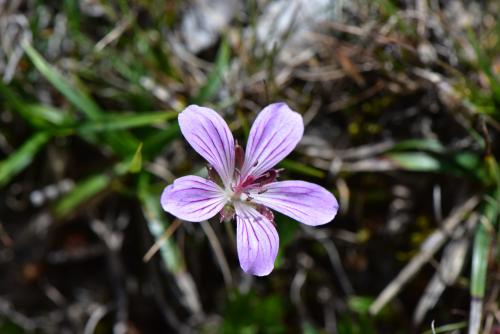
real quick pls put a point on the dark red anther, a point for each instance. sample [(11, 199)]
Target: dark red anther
[(248, 181), (239, 156), (268, 177), (227, 213), (212, 174), (266, 213)]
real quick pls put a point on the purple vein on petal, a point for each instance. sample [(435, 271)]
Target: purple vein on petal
[(257, 240), (305, 202), (274, 134), (193, 198), (209, 135)]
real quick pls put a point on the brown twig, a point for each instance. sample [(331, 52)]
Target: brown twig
[(428, 248), (161, 240)]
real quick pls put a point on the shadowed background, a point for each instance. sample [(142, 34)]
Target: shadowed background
[(400, 101)]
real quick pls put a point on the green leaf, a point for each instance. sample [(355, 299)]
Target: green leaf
[(493, 171), (485, 65), (22, 157), (301, 168), (156, 142), (214, 79), (81, 193), (250, 313), (308, 328), (482, 243), (126, 121), (123, 143), (95, 184), (359, 304), (50, 114), (470, 163), (39, 116), (157, 223), (431, 145), (136, 163), (415, 161), (78, 99), (448, 328)]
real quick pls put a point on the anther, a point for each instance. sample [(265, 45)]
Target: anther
[(239, 156), (268, 177), (212, 174)]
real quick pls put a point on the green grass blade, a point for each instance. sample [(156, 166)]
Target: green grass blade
[(130, 165), (470, 163), (52, 115), (37, 115), (448, 328), (480, 255), (82, 192), (214, 79), (301, 168), (136, 163), (482, 242), (415, 161), (126, 121), (157, 223), (21, 158), (122, 143), (93, 185), (78, 99), (485, 65), (156, 142), (431, 145)]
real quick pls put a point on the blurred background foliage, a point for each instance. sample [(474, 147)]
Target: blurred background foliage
[(401, 101)]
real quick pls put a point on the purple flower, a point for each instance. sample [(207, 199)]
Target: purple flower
[(243, 184)]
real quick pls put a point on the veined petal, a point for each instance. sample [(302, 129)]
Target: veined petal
[(193, 198), (257, 241), (305, 202), (274, 134), (210, 136)]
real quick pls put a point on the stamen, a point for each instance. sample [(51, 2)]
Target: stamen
[(248, 181), (227, 213), (255, 163), (239, 156), (266, 213), (212, 174), (267, 177)]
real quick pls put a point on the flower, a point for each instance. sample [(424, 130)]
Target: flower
[(243, 184)]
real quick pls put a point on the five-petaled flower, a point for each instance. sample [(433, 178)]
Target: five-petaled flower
[(243, 184)]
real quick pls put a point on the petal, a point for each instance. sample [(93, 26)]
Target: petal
[(305, 202), (193, 198), (257, 241), (210, 136), (274, 134)]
